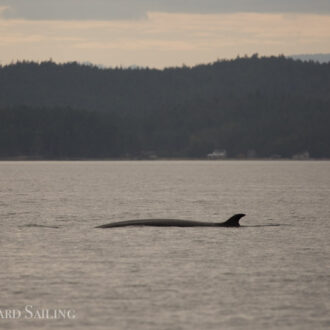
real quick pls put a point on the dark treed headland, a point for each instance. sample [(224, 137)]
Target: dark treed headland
[(250, 106)]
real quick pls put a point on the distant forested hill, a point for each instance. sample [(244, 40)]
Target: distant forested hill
[(267, 106), (321, 58)]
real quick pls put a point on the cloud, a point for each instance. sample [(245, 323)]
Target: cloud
[(164, 39), (72, 9), (137, 9)]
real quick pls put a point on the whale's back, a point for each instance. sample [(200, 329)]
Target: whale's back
[(157, 223), (231, 222)]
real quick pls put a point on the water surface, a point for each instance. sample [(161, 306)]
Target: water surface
[(254, 277)]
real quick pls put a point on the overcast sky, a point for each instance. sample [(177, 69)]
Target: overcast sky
[(160, 33)]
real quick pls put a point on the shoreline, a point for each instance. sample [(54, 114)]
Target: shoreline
[(31, 159)]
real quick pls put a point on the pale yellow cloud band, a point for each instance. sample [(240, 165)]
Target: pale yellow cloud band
[(164, 39)]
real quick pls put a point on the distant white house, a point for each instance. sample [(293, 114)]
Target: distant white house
[(301, 156), (217, 154)]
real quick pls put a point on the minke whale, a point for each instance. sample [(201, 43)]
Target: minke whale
[(231, 222)]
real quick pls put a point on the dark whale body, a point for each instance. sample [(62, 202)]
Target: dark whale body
[(231, 222)]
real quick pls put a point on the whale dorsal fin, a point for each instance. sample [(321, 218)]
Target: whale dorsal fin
[(234, 220)]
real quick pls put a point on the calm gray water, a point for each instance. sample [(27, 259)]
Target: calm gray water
[(253, 277)]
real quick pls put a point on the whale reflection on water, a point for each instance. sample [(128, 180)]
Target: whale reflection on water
[(267, 225)]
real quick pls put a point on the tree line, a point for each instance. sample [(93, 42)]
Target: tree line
[(271, 105)]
